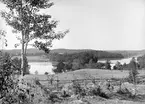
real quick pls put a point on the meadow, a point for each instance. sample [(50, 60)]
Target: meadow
[(87, 74)]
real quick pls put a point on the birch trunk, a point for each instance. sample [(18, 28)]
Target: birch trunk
[(22, 55)]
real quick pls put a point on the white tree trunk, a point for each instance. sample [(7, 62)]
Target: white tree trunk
[(22, 55)]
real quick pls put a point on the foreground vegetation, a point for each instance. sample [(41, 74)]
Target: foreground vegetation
[(81, 91), (32, 90)]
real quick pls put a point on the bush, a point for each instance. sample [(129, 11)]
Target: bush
[(133, 71), (36, 72), (59, 68), (17, 65), (6, 81), (8, 90), (78, 89), (76, 64), (68, 66), (107, 65), (118, 66), (46, 73), (141, 61)]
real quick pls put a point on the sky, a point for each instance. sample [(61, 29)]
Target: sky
[(96, 24)]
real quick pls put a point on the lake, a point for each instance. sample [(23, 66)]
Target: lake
[(122, 61), (41, 67)]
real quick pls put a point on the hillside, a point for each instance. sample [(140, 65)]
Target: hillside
[(129, 53), (69, 51), (36, 52), (33, 51), (30, 52)]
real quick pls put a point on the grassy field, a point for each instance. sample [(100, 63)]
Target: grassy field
[(87, 74)]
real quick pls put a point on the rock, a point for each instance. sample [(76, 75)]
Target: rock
[(78, 102), (90, 85), (106, 85), (105, 89), (128, 88), (55, 97), (140, 90), (74, 96)]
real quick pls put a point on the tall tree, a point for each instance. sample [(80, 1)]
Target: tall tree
[(25, 17)]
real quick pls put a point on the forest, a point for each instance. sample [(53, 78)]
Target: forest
[(87, 59)]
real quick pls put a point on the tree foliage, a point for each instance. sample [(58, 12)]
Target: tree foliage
[(133, 66), (2, 38), (25, 18), (60, 67), (118, 66), (84, 56), (107, 65), (7, 81), (87, 59), (17, 64), (141, 61)]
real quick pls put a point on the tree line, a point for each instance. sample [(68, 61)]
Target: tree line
[(87, 59), (86, 55)]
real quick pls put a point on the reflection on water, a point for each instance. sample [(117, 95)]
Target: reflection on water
[(41, 67)]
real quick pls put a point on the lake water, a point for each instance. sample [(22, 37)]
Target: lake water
[(122, 61), (41, 67)]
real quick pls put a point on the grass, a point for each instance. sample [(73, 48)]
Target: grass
[(87, 74), (95, 73)]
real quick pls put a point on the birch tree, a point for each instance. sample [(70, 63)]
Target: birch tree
[(25, 19)]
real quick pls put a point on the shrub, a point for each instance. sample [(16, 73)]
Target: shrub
[(133, 71), (17, 65), (36, 72), (9, 91), (107, 65), (78, 89), (14, 90), (68, 66), (59, 67), (118, 66), (141, 61), (46, 73), (6, 81)]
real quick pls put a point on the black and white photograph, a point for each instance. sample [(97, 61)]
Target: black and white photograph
[(72, 51)]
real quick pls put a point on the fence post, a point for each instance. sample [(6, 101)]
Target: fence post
[(51, 80), (57, 83), (120, 84)]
